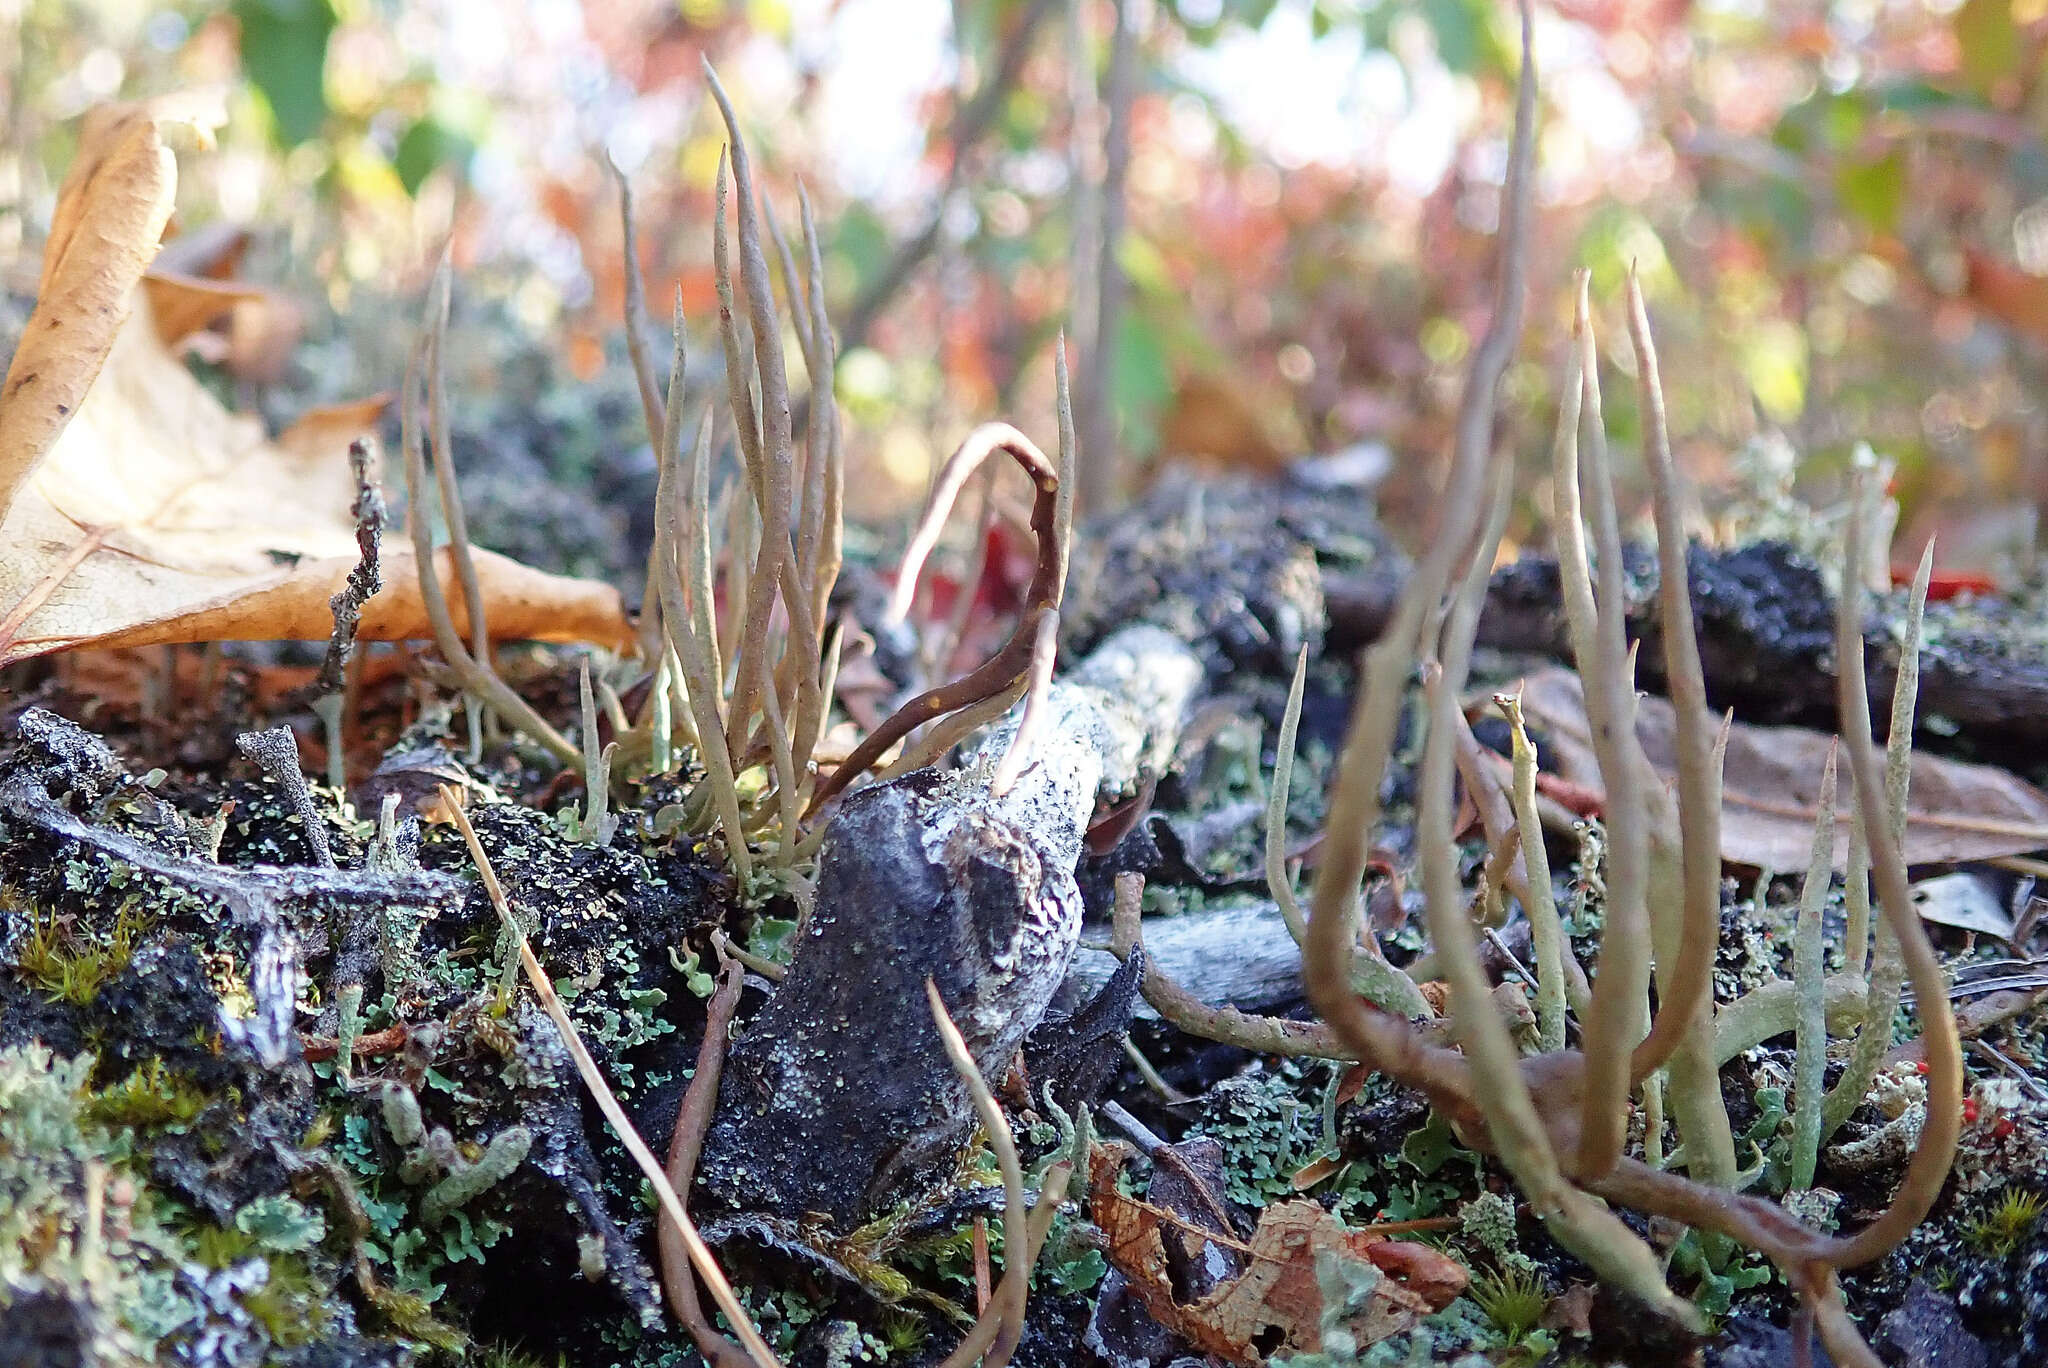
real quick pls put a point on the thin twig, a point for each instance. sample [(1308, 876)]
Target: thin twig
[(693, 1119)]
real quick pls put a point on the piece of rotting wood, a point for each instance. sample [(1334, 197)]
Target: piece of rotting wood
[(838, 1097)]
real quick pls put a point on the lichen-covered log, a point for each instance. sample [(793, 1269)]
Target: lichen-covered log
[(838, 1097)]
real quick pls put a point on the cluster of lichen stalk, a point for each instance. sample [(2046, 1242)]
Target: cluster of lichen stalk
[(749, 686), (1559, 1119), (751, 689)]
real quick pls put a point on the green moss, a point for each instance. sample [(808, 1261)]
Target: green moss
[(72, 966), (410, 1314), (508, 1356), (1514, 1300), (903, 1332), (218, 1247), (291, 1306), (51, 1152), (2007, 1224), (150, 1098)]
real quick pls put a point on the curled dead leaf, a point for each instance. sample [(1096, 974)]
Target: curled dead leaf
[(183, 304), (135, 509), (1771, 786), (122, 184), (1276, 1300)]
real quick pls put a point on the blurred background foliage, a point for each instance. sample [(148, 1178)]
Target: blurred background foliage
[(1840, 210)]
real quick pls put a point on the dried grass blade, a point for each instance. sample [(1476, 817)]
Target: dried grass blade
[(615, 1115), (994, 1335)]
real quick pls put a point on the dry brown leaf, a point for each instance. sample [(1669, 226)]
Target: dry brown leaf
[(1276, 1303), (192, 285), (122, 185), (138, 510), (183, 304), (208, 532), (1772, 783)]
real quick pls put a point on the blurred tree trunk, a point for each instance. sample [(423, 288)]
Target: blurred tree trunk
[(1098, 283)]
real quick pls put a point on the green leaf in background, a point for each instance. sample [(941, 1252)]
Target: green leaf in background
[(1465, 38), (1988, 40), (1906, 97), (426, 145), (1773, 356), (1874, 191), (1143, 381), (284, 52), (861, 242)]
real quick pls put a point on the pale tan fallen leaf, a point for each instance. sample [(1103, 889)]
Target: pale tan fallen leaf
[(109, 219), (183, 304), (1772, 782), (192, 286), (138, 510)]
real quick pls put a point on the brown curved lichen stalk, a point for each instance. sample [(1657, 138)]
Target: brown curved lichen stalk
[(1008, 665)]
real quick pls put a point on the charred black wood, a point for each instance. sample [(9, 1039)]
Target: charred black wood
[(58, 762), (838, 1098), (1763, 612)]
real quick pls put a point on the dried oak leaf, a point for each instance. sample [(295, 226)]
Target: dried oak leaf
[(1771, 785), (138, 510), (1276, 1303), (248, 330), (110, 216)]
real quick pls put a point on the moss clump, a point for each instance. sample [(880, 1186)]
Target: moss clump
[(1514, 1300), (152, 1097), (57, 1166), (68, 966), (2007, 1224)]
